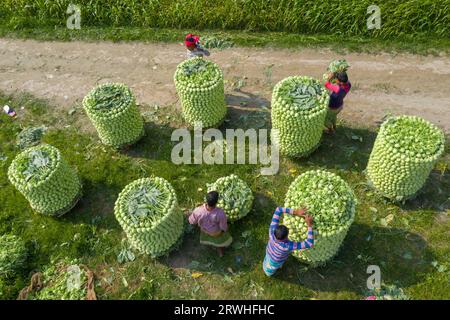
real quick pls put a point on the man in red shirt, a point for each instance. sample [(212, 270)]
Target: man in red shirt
[(338, 92)]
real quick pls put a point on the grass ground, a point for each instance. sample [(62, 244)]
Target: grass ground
[(409, 249), (415, 44)]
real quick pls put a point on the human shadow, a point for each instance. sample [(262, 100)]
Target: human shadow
[(433, 195), (246, 100), (348, 149)]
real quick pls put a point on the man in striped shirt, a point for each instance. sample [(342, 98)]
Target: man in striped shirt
[(279, 246)]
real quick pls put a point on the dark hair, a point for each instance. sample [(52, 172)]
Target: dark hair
[(281, 232), (342, 76), (212, 198)]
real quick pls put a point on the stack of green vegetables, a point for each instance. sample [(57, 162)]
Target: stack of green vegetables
[(13, 255), (336, 66), (235, 196), (332, 204), (404, 153), (148, 212), (30, 137), (62, 280), (299, 107), (200, 86), (113, 111), (46, 180)]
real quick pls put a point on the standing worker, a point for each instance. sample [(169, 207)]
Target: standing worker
[(338, 92), (279, 246)]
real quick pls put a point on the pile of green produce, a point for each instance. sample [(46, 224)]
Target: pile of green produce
[(404, 153), (30, 137), (200, 86), (332, 204), (62, 280), (211, 42), (235, 196), (299, 108), (387, 292), (46, 180), (113, 111), (336, 66), (13, 255), (148, 212)]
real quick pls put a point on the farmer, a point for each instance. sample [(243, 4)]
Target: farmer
[(338, 92), (193, 46), (213, 223), (279, 246)]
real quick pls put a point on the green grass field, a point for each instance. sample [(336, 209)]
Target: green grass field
[(416, 26), (412, 250)]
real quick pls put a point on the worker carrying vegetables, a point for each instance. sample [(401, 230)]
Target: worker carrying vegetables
[(339, 89), (279, 246), (194, 49), (213, 223)]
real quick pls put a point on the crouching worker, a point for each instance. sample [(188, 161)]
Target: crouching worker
[(213, 223), (338, 92), (279, 246), (194, 49)]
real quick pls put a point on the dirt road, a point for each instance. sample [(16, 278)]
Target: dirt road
[(63, 72)]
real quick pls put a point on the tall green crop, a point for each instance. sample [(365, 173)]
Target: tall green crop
[(404, 153), (399, 17), (46, 180)]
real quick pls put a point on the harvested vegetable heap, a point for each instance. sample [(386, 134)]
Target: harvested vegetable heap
[(299, 107), (62, 280), (13, 255), (46, 180), (235, 196), (404, 153), (30, 137), (148, 212), (113, 111), (332, 204), (200, 86)]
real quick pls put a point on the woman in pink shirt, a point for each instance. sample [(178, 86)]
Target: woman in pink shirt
[(213, 223), (338, 92)]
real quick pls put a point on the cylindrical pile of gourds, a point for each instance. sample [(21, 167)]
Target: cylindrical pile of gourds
[(148, 212), (404, 153), (46, 180), (299, 107), (235, 196), (332, 204), (200, 86), (112, 109)]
